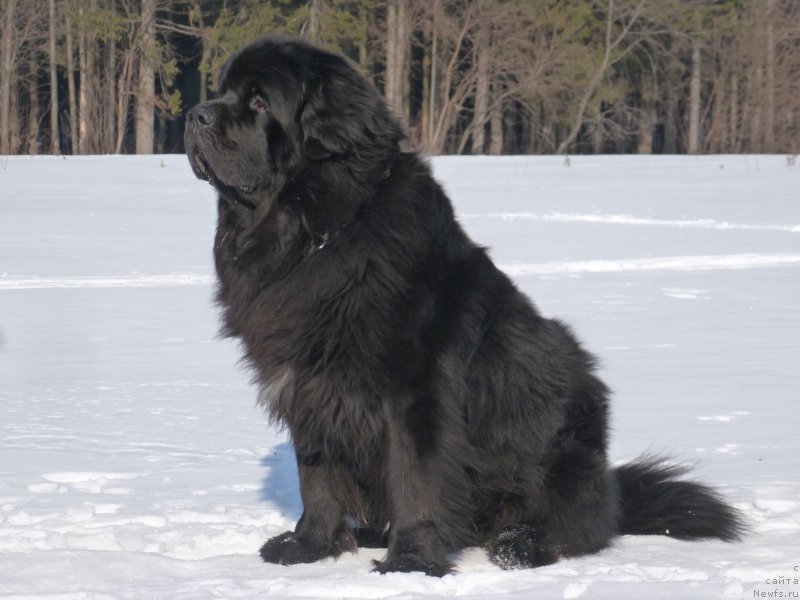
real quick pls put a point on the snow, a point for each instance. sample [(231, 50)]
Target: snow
[(134, 462)]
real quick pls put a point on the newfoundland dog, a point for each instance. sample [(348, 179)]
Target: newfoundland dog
[(431, 407)]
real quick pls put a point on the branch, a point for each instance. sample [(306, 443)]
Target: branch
[(189, 30), (601, 71)]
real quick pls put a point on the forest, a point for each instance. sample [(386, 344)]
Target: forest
[(464, 76)]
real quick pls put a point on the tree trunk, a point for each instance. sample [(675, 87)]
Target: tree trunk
[(111, 100), (7, 52), (398, 47), (123, 98), (769, 120), (404, 48), (646, 127), (717, 139), (15, 122), (756, 131), (34, 114), (93, 120), (481, 113), (391, 52), (84, 84), (670, 123), (73, 107), (424, 112), (363, 53), (597, 137), (496, 122), (205, 61), (205, 52), (432, 89), (146, 96), (313, 26), (55, 145), (734, 112), (693, 145)]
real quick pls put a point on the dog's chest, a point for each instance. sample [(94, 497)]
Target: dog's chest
[(343, 424)]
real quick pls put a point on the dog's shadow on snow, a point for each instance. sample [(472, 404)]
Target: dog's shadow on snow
[(281, 486)]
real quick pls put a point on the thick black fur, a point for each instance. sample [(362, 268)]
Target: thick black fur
[(427, 399)]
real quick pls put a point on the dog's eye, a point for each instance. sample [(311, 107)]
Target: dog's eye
[(258, 104)]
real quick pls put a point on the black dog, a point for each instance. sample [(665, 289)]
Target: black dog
[(427, 400)]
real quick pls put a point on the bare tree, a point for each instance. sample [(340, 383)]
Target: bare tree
[(694, 89), (621, 37), (398, 48), (752, 102), (55, 146), (769, 121), (312, 29), (71, 98), (21, 30), (124, 89), (84, 87), (464, 75), (109, 83), (496, 120), (34, 115), (482, 83), (145, 92), (8, 52), (453, 32)]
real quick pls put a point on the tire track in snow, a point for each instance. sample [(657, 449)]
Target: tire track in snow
[(623, 219), (668, 263), (34, 283)]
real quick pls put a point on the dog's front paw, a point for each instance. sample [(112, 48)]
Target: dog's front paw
[(408, 562), (286, 549)]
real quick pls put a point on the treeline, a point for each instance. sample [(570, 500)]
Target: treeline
[(465, 76)]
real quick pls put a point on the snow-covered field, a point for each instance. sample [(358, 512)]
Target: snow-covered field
[(135, 464)]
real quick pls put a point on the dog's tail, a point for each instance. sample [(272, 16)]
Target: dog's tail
[(656, 502)]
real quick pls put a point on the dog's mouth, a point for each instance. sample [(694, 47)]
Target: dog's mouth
[(203, 171), (237, 193), (200, 165)]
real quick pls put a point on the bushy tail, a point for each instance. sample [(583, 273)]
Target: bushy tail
[(656, 502)]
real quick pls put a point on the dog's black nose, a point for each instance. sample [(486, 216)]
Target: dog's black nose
[(202, 114)]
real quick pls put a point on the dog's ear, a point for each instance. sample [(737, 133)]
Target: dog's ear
[(343, 113)]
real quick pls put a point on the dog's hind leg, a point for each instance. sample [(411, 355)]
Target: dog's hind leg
[(576, 512)]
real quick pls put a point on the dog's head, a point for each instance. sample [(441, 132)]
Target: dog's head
[(284, 105)]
